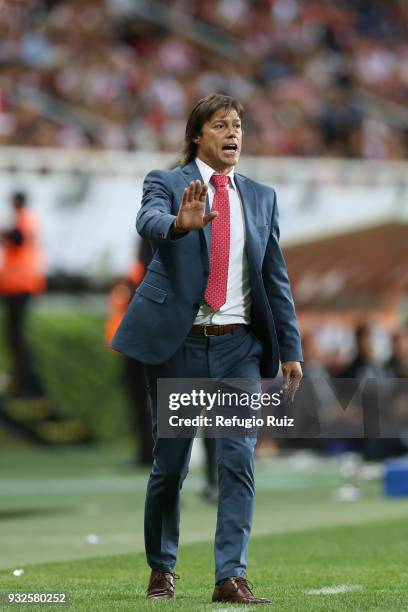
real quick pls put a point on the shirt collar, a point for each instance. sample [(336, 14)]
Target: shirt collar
[(206, 172)]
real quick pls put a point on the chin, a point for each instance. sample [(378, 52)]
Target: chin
[(229, 161)]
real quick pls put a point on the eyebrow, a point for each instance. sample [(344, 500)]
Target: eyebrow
[(224, 121)]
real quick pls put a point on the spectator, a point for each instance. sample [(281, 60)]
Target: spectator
[(133, 371), (21, 277), (397, 365), (299, 67)]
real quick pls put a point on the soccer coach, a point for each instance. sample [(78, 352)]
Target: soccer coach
[(215, 303)]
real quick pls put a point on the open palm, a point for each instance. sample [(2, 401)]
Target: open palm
[(192, 208)]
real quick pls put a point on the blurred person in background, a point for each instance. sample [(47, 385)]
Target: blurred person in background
[(21, 278), (314, 362), (134, 376), (366, 367), (397, 368), (364, 364), (397, 365)]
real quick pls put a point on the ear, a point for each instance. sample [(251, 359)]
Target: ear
[(197, 139)]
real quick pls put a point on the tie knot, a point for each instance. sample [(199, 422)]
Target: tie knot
[(220, 181)]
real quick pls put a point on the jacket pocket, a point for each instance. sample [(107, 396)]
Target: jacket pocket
[(152, 293)]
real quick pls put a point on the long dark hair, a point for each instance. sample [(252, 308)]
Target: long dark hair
[(202, 111)]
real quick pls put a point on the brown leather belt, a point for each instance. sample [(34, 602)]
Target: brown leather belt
[(215, 330)]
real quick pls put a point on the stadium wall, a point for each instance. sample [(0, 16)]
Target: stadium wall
[(87, 201)]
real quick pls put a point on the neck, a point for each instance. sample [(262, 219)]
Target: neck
[(218, 169)]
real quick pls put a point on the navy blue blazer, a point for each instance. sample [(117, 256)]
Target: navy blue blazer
[(166, 303)]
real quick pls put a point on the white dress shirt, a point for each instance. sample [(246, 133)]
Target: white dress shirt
[(237, 308)]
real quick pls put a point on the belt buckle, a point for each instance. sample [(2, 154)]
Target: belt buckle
[(205, 331)]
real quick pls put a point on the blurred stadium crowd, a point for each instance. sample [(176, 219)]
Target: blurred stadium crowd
[(370, 352), (313, 75)]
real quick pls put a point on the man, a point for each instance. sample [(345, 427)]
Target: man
[(133, 371), (397, 364), (215, 302), (21, 276)]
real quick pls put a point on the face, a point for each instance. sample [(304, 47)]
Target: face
[(219, 144), (17, 202)]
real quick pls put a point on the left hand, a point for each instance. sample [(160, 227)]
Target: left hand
[(292, 375)]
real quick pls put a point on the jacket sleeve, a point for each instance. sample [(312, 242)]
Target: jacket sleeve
[(276, 281), (154, 219)]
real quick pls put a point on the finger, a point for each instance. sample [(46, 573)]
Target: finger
[(203, 193), (293, 387), (190, 192), (197, 190), (286, 376), (294, 384), (184, 198), (210, 217), (288, 391)]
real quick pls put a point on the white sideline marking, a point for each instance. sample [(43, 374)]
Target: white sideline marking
[(334, 590)]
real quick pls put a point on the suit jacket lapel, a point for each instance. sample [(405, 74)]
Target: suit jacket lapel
[(192, 173), (250, 208)]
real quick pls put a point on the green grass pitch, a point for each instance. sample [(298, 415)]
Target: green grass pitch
[(303, 539)]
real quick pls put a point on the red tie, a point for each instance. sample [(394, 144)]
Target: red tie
[(216, 292)]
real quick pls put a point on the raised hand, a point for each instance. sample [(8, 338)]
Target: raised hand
[(191, 213)]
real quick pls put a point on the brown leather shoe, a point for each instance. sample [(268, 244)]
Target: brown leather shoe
[(162, 585), (237, 590)]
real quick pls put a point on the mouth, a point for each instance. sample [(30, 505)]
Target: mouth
[(231, 147)]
